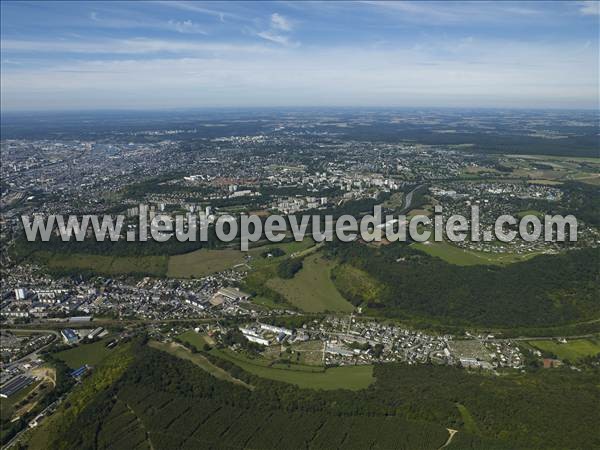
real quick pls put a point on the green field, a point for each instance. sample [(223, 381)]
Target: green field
[(105, 265), (91, 354), (290, 248), (461, 257), (572, 350), (203, 262), (469, 421), (201, 361), (312, 289), (345, 377), (530, 212), (193, 338), (356, 283)]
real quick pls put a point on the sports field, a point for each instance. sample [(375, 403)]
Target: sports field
[(572, 350), (345, 377), (90, 354), (312, 289)]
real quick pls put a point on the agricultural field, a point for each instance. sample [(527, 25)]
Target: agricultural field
[(312, 289), (560, 169), (572, 350), (345, 377), (105, 265), (463, 257), (91, 354)]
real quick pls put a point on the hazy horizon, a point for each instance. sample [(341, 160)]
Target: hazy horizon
[(89, 56)]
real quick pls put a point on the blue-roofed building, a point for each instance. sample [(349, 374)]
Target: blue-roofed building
[(69, 336), (77, 373)]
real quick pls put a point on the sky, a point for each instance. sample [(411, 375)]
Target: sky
[(179, 54)]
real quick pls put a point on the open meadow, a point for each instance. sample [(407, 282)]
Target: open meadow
[(312, 289), (203, 262), (572, 350), (90, 354), (310, 377), (463, 257), (105, 265)]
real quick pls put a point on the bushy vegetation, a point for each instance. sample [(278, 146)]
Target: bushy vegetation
[(289, 267), (543, 291), (168, 403)]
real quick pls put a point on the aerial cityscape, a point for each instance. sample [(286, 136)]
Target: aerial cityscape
[(300, 225)]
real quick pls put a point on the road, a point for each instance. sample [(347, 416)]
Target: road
[(408, 199), (33, 354)]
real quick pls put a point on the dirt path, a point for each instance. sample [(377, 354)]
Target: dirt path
[(451, 433), (199, 360)]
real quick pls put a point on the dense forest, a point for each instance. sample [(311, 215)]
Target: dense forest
[(167, 403), (546, 290)]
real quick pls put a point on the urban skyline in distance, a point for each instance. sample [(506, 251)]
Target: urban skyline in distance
[(155, 55)]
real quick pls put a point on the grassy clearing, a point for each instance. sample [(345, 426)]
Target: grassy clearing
[(199, 360), (203, 262), (545, 182), (91, 354), (356, 283), (395, 201), (191, 337), (346, 377), (469, 421), (530, 212), (572, 350), (105, 265), (290, 248), (312, 289), (462, 257)]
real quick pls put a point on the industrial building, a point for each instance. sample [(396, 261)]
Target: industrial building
[(94, 333), (69, 336), (15, 385), (233, 294)]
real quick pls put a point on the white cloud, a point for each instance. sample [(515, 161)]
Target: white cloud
[(590, 8), (128, 46), (490, 73), (280, 23), (185, 26), (198, 8), (273, 37), (278, 28)]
